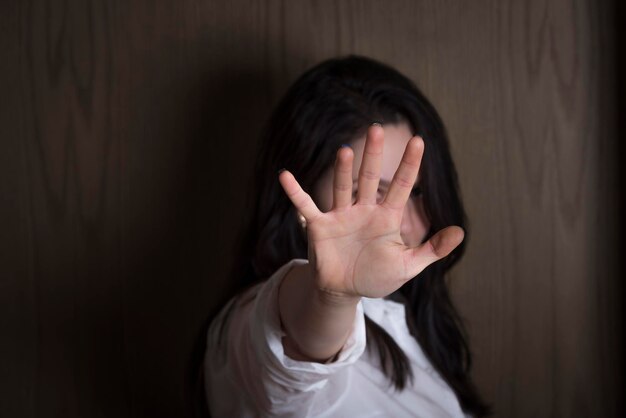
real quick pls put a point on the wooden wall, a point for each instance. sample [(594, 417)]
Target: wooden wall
[(127, 130)]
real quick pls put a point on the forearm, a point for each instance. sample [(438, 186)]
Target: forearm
[(317, 324)]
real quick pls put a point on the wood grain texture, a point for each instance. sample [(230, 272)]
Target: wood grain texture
[(128, 130)]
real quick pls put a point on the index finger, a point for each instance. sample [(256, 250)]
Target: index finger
[(405, 176)]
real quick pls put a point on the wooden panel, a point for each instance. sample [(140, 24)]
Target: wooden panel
[(128, 130), (540, 281)]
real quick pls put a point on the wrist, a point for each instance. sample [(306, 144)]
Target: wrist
[(325, 295), (316, 322)]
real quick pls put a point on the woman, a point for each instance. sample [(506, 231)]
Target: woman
[(341, 305)]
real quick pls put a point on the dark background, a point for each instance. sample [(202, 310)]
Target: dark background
[(127, 135)]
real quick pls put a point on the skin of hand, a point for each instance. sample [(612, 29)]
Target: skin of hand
[(415, 222), (355, 249)]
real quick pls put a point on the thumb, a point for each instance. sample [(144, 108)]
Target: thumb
[(437, 247)]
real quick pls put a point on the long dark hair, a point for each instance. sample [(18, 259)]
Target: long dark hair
[(331, 104)]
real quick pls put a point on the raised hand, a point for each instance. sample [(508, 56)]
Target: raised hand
[(356, 249)]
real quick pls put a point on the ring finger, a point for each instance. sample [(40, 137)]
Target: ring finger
[(342, 181)]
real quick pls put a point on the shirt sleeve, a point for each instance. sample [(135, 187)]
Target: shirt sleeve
[(255, 368)]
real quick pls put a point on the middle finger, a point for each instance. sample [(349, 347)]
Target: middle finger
[(369, 172)]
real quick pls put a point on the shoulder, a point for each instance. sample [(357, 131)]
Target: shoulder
[(250, 371)]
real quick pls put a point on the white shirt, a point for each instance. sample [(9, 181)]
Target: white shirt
[(249, 375)]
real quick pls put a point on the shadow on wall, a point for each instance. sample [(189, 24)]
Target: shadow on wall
[(229, 114), (202, 130), (220, 164)]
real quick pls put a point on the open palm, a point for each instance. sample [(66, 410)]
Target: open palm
[(356, 248)]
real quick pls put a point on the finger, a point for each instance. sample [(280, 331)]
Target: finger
[(300, 199), (342, 181), (406, 174), (369, 173), (437, 247)]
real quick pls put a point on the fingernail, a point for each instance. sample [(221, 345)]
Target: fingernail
[(281, 170), (377, 124), (345, 145)]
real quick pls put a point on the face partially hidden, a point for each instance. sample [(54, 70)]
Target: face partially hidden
[(415, 224)]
